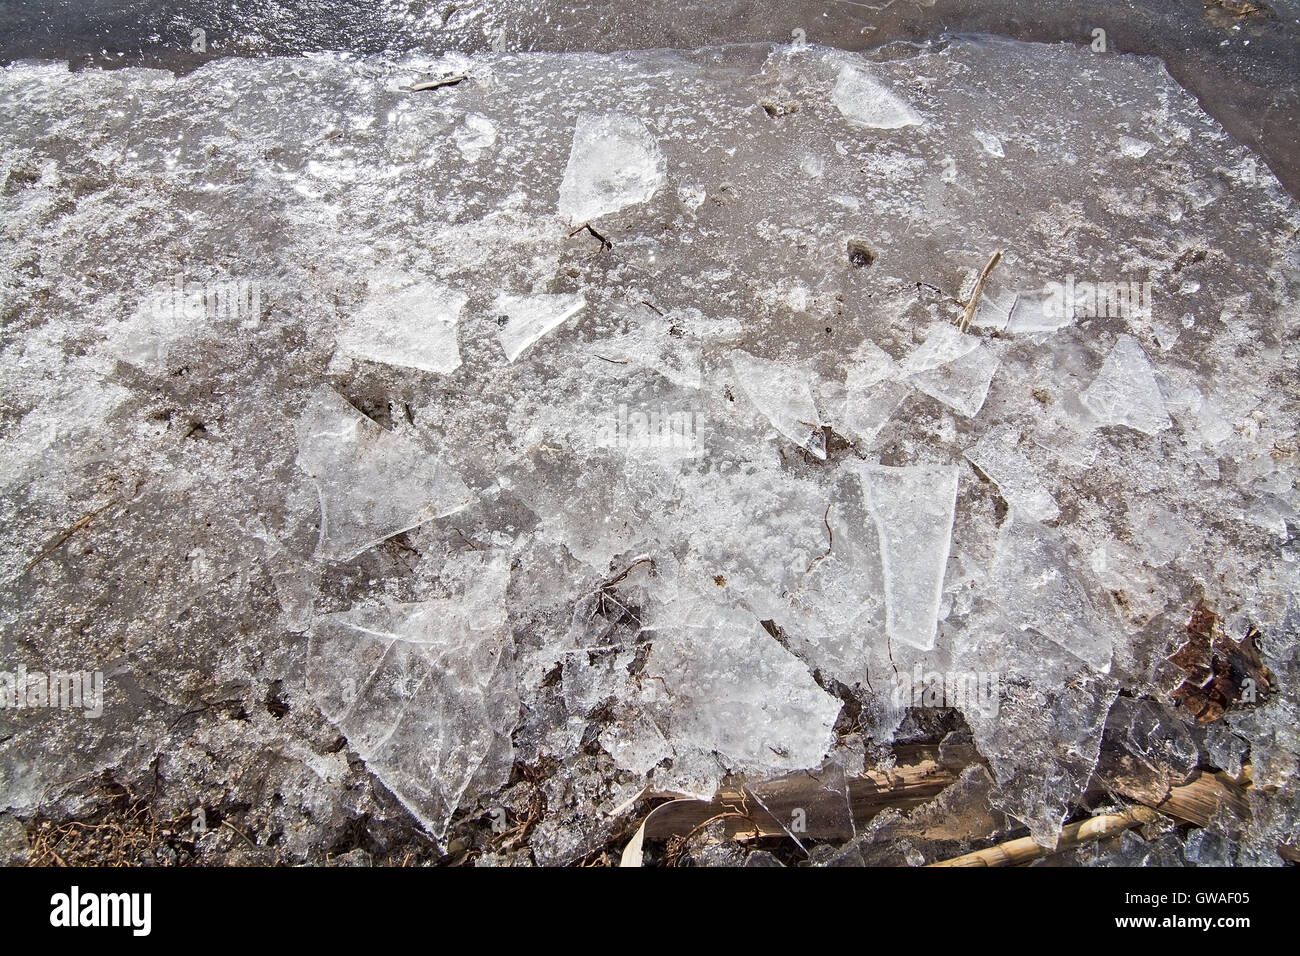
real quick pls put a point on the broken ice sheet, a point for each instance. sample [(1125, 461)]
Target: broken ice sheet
[(424, 691), (717, 683), (1125, 390), (415, 328), (784, 395), (1034, 585), (871, 395), (1019, 313), (913, 510), (866, 101), (1018, 481), (614, 162), (1043, 739), (952, 367), (529, 317), (373, 484), (1043, 744)]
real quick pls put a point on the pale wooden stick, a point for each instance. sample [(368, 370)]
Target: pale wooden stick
[(969, 314), (1016, 852)]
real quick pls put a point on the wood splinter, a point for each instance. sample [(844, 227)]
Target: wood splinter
[(68, 533)]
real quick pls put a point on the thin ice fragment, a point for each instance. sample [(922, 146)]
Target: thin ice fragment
[(414, 328), (784, 395), (1125, 390), (614, 162), (913, 510), (1034, 584), (1020, 314), (718, 683), (529, 317), (637, 748), (871, 395), (944, 344), (373, 484), (474, 136), (424, 691), (864, 100), (953, 368), (1018, 481)]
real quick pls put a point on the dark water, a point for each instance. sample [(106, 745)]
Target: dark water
[(1241, 58)]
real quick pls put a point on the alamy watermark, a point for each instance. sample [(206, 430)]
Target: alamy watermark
[(239, 299), (1073, 299), (64, 690), (970, 691), (658, 428), (74, 908)]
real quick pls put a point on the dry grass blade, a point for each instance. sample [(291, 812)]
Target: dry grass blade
[(66, 534)]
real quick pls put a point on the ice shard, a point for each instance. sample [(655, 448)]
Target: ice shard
[(424, 691), (865, 100), (1018, 481), (717, 683), (913, 510), (1125, 390), (614, 162), (413, 328), (1034, 577), (529, 317), (784, 395), (474, 136), (871, 392), (373, 484), (952, 367)]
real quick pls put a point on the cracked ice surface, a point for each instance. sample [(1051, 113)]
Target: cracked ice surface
[(372, 483), (423, 690), (413, 453)]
